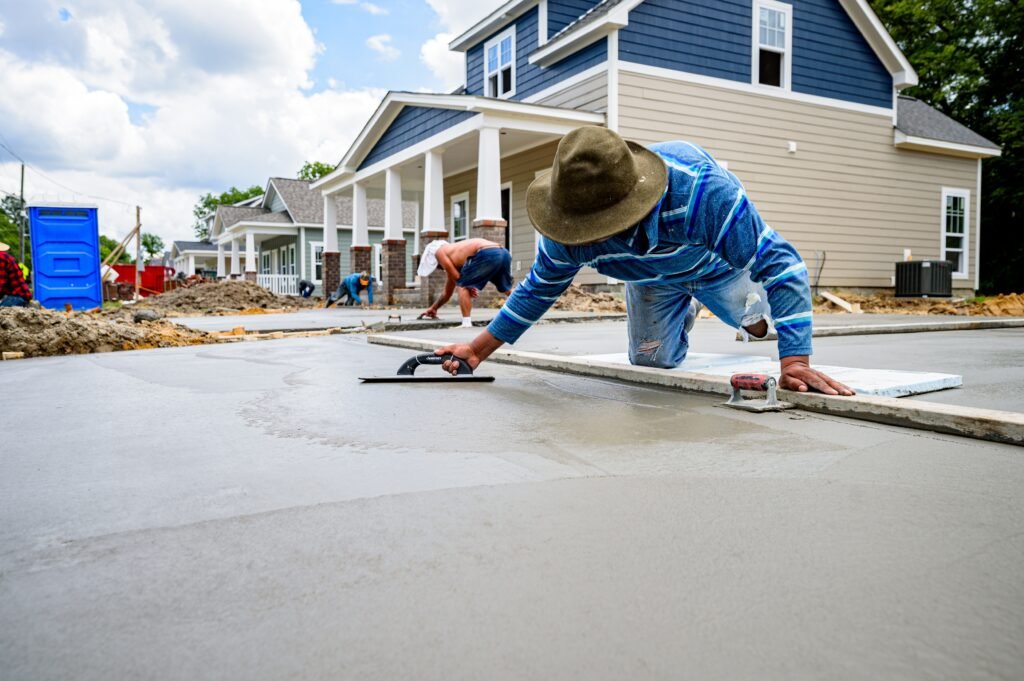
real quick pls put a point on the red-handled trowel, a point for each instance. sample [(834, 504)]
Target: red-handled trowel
[(407, 372)]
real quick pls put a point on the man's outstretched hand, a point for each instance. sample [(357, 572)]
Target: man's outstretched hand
[(466, 352), (798, 375)]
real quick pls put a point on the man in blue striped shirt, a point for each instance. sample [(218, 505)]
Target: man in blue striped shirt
[(675, 226)]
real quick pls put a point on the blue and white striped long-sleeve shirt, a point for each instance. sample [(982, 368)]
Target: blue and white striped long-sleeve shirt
[(703, 227)]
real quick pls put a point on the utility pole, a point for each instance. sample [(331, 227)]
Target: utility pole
[(22, 218), (138, 247)]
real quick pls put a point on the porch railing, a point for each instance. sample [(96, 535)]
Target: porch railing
[(281, 284)]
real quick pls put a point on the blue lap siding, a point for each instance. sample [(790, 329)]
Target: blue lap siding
[(531, 78), (413, 124), (561, 13), (713, 38)]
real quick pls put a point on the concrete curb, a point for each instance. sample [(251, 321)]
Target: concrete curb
[(907, 327), (980, 424)]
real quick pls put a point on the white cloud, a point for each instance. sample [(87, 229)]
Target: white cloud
[(381, 44), (376, 10), (458, 15), (344, 2), (225, 92), (447, 66)]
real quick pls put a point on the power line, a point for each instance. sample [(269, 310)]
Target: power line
[(59, 184)]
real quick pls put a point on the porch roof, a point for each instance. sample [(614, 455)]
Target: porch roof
[(506, 114), (923, 127)]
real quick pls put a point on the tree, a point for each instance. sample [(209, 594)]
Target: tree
[(969, 56), (314, 170), (107, 245), (208, 203), (10, 217), (152, 245)]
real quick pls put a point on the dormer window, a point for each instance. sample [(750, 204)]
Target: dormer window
[(773, 40), (500, 64)]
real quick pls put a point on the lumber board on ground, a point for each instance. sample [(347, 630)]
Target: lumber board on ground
[(904, 327), (980, 424)]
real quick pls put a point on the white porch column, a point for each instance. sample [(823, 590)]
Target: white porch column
[(221, 269), (191, 265), (250, 256), (433, 192), (330, 224), (488, 179), (360, 226), (392, 204), (331, 259), (235, 265)]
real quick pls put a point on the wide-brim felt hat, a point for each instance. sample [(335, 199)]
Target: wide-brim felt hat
[(599, 185)]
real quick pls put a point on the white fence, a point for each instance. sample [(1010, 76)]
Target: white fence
[(281, 284)]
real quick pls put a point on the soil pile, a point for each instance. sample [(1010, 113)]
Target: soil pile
[(1008, 305), (575, 299), (40, 332), (229, 296)]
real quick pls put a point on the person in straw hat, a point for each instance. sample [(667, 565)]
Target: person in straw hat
[(675, 226), (14, 292), (470, 264)]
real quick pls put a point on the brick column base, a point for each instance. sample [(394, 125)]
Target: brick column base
[(250, 276), (361, 258), (331, 267), (492, 230), (392, 266), (431, 286)]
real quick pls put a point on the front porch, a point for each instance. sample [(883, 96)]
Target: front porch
[(469, 179)]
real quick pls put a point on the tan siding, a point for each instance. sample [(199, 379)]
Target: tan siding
[(847, 191), (590, 95), (520, 170)]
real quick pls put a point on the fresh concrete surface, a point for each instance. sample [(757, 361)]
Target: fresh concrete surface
[(251, 511), (346, 317), (990, 361)]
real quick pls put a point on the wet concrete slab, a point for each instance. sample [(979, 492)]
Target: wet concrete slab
[(252, 511), (991, 361), (349, 318)]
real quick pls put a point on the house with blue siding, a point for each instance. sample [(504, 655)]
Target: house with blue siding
[(799, 98)]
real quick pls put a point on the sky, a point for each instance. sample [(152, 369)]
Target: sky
[(120, 103)]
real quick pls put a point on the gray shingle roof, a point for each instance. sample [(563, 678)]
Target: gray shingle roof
[(230, 215), (304, 205), (194, 246), (278, 217), (917, 119)]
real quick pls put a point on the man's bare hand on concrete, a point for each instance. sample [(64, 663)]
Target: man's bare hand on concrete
[(798, 375), (475, 352)]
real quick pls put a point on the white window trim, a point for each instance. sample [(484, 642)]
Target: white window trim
[(508, 227), (377, 263), (965, 249), (755, 45), (312, 261), (455, 198), (496, 40), (291, 260)]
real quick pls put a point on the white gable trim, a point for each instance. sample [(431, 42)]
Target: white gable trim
[(865, 19), (492, 22)]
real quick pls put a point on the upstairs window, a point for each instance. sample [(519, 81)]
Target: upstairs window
[(500, 64), (773, 40)]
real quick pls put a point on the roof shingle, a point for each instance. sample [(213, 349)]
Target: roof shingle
[(917, 119)]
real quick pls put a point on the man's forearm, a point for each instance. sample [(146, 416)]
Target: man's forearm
[(446, 294), (485, 344)]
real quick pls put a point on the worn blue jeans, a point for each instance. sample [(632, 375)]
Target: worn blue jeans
[(660, 317), (12, 301)]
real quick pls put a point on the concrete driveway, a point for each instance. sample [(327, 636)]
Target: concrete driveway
[(252, 511)]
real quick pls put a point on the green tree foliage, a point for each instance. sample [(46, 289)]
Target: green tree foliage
[(314, 170), (152, 245), (10, 214), (208, 203), (107, 245), (969, 56)]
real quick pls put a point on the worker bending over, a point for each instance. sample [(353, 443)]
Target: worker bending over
[(673, 224), (349, 288), (470, 265), (14, 292)]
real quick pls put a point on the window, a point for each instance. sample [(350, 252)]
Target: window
[(773, 40), (316, 250), (265, 263), (291, 260), (955, 228), (500, 65), (460, 217), (506, 213)]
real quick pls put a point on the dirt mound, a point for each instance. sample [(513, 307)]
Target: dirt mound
[(229, 296), (1006, 305), (40, 332), (576, 299)]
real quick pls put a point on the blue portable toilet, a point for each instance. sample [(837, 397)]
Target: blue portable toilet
[(66, 256)]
